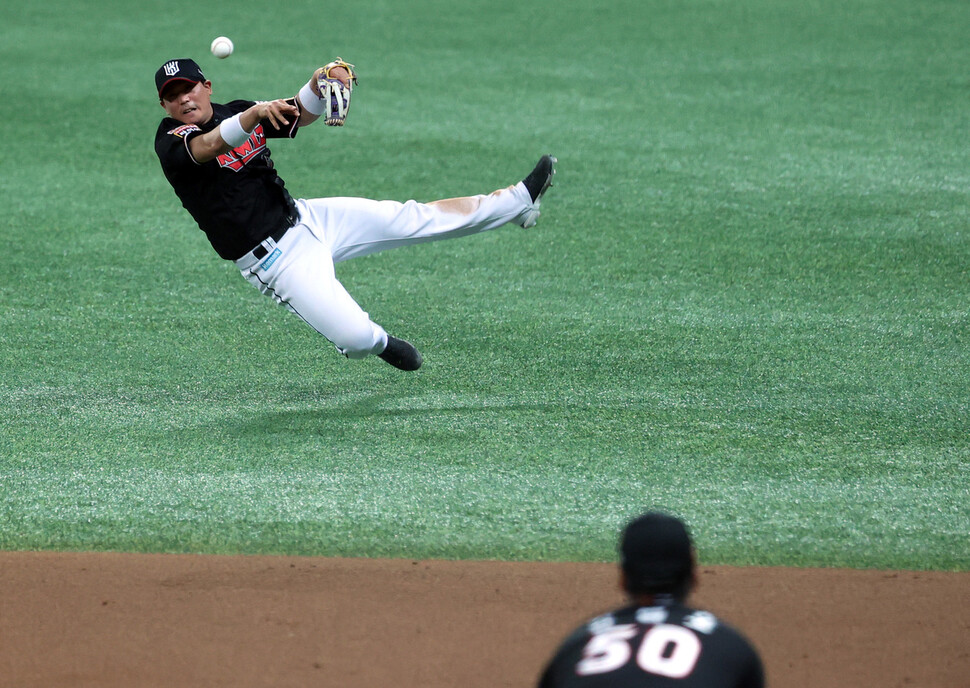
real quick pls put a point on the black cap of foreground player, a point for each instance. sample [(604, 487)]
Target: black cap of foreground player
[(182, 69), (656, 555)]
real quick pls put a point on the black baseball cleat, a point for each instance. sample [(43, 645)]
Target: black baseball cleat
[(537, 183), (401, 354)]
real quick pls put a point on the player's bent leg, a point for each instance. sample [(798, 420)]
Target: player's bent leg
[(301, 277), (344, 323), (327, 307)]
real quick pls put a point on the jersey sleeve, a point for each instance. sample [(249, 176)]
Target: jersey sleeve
[(172, 144), (284, 132), (269, 131)]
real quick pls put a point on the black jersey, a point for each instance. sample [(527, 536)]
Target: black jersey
[(655, 647), (237, 199)]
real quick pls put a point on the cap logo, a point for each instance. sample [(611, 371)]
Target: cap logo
[(171, 68)]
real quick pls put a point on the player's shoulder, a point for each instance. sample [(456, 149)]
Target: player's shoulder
[(607, 620), (171, 139), (172, 127), (726, 646), (707, 625)]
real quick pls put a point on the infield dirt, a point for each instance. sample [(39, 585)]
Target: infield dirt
[(112, 620)]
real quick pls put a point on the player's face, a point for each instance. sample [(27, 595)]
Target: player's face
[(188, 102)]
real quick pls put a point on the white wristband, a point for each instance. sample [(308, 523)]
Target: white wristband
[(232, 131), (311, 101)]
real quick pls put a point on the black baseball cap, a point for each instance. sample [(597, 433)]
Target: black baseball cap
[(182, 69), (656, 553)]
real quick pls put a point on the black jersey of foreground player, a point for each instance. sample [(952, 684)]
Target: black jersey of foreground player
[(657, 641)]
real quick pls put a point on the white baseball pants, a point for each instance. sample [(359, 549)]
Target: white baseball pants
[(298, 271)]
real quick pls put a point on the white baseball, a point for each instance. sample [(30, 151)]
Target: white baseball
[(221, 47)]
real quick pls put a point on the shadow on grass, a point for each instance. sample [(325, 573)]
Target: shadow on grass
[(375, 410)]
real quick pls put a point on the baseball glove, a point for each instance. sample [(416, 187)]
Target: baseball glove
[(335, 82)]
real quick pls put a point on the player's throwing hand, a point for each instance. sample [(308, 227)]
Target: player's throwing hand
[(276, 112)]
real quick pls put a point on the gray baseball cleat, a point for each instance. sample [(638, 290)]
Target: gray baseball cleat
[(537, 183), (401, 354)]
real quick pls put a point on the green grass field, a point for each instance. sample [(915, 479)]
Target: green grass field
[(747, 301)]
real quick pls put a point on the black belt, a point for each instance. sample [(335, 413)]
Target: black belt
[(260, 251)]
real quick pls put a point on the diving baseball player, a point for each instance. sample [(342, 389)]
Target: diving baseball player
[(216, 158), (656, 641)]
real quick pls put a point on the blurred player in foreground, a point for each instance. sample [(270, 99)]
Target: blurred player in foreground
[(656, 641)]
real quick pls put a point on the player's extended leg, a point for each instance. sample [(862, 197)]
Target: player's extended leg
[(358, 226)]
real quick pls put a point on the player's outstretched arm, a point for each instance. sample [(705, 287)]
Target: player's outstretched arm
[(327, 94), (236, 130), (308, 117)]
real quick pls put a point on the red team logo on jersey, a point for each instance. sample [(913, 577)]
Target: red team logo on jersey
[(183, 130), (238, 157)]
